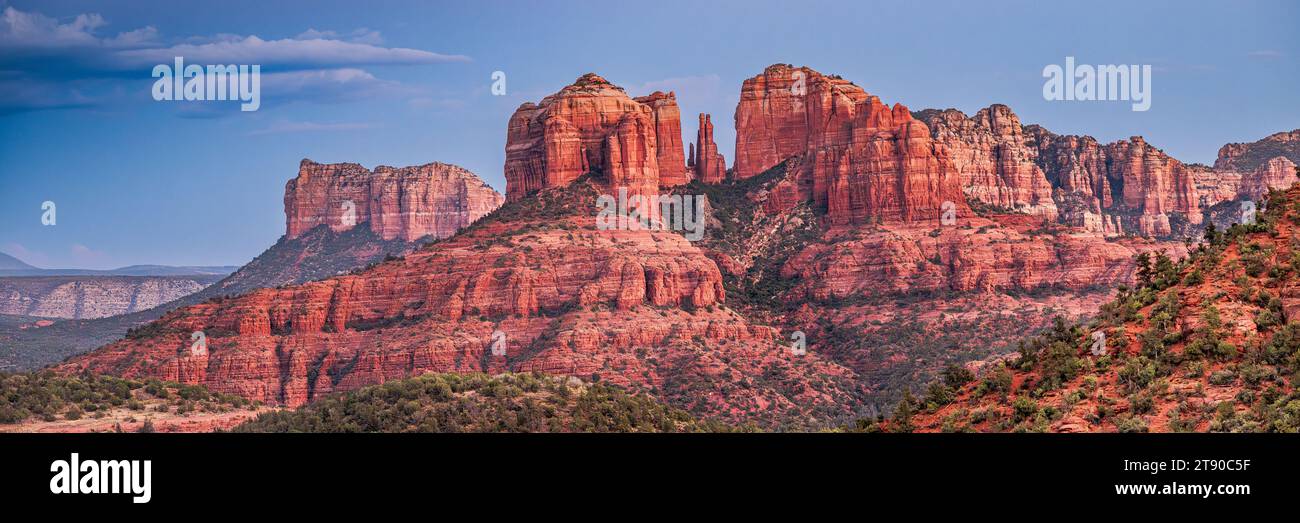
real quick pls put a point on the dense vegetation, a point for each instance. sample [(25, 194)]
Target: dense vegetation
[(47, 396), (1172, 357), (482, 403)]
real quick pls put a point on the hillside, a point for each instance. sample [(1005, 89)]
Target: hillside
[(480, 403), (1206, 343), (640, 309), (87, 297), (330, 230), (45, 402), (10, 263), (318, 253)]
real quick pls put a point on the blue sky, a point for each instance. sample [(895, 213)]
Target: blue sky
[(403, 83)]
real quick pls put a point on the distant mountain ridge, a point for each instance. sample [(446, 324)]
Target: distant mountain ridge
[(12, 266)]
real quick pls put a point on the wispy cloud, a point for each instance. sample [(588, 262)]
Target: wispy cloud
[(84, 256), (285, 127), (1267, 54), (284, 54), (48, 63)]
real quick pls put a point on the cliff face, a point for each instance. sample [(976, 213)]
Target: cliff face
[(1261, 165), (86, 297), (668, 138), (592, 125), (862, 160), (642, 309), (995, 159), (405, 203), (1126, 186)]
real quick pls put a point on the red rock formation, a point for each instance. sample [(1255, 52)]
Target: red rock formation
[(996, 162), (409, 203), (863, 160), (1250, 156), (709, 165), (571, 132), (668, 138), (638, 308), (1126, 186), (1262, 165)]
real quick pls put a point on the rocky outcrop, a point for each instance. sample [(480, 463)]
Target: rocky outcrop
[(1262, 165), (592, 125), (995, 159), (1244, 157), (86, 297), (708, 164), (1122, 187), (668, 138), (407, 203), (861, 160), (642, 309)]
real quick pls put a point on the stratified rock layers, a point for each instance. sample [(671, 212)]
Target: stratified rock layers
[(594, 126), (406, 203), (862, 160)]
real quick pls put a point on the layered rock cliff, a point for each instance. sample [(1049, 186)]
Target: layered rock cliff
[(594, 126), (668, 138), (536, 288), (1262, 165), (995, 159), (387, 206), (85, 297), (861, 160), (1125, 186), (407, 203)]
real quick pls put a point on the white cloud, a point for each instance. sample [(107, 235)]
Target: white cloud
[(47, 63), (85, 256), (285, 53)]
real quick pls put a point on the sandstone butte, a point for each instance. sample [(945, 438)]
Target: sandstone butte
[(861, 160), (407, 203), (593, 125), (647, 309), (643, 309)]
